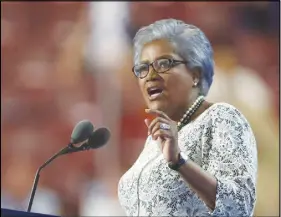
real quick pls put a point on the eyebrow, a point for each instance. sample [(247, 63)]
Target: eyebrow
[(160, 57)]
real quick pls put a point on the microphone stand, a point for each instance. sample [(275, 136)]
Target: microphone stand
[(68, 149), (37, 176)]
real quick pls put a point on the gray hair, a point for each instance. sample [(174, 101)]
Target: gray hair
[(189, 41)]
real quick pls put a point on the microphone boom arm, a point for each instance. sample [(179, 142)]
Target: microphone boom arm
[(96, 140), (37, 176)]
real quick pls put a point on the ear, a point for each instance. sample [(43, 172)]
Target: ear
[(196, 76)]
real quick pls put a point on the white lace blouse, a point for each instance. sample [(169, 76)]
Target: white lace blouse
[(221, 141)]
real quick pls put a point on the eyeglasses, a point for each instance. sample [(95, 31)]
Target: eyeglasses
[(159, 66)]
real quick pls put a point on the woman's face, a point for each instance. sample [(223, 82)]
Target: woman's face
[(170, 91)]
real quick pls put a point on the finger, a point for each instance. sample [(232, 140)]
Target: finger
[(161, 134), (156, 123), (157, 127), (157, 112), (147, 122)]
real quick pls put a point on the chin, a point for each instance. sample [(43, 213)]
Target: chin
[(157, 106)]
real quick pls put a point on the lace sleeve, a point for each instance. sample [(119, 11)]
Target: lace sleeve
[(232, 159)]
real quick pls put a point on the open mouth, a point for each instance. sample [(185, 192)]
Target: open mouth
[(154, 92)]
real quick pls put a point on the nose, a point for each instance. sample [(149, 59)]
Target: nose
[(152, 75)]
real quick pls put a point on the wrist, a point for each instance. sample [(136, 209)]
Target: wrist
[(175, 159), (176, 164)]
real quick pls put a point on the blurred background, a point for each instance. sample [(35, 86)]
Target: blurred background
[(62, 62)]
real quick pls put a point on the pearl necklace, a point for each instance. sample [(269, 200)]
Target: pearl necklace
[(192, 109)]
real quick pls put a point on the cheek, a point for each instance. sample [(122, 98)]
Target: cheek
[(179, 85), (141, 86)]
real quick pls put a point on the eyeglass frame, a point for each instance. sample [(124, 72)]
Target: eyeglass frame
[(173, 64)]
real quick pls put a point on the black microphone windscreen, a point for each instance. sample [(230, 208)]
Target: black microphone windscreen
[(99, 138), (81, 132)]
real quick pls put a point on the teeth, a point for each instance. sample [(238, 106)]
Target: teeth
[(152, 90), (155, 92)]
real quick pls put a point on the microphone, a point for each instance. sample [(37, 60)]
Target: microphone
[(81, 132), (98, 139)]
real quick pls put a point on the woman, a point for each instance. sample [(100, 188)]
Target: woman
[(200, 159)]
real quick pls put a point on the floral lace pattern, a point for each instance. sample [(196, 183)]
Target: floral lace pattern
[(221, 141)]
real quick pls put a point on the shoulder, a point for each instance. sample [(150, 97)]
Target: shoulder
[(223, 117), (224, 110), (222, 107), (219, 116), (227, 121)]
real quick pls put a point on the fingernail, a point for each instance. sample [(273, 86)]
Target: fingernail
[(146, 122), (147, 110)]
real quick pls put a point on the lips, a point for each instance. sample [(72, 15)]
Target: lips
[(154, 92)]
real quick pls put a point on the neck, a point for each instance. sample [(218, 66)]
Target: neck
[(182, 109)]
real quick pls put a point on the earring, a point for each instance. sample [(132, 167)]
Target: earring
[(195, 84)]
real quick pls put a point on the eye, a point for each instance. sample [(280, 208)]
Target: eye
[(140, 70), (163, 64)]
